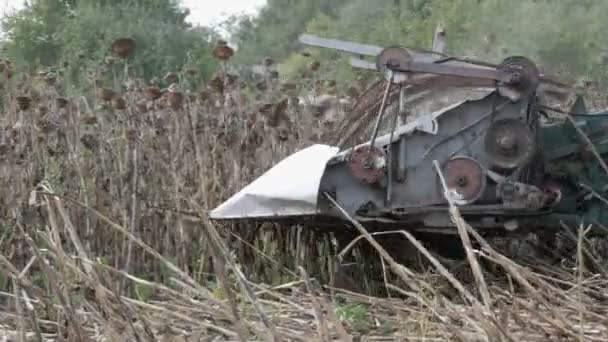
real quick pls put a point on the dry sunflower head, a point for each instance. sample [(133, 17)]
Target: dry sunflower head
[(106, 94), (120, 103), (45, 125), (141, 107), (123, 47), (217, 84), (50, 78), (4, 149), (279, 114), (203, 96), (131, 134), (222, 51), (268, 61), (191, 72), (42, 110), (175, 99), (88, 119), (152, 93), (261, 86), (61, 102), (89, 141), (266, 108), (24, 102), (171, 78)]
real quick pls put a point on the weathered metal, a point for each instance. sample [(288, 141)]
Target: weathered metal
[(511, 166), (467, 177), (509, 143)]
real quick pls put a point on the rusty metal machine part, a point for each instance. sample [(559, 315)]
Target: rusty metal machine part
[(368, 164), (393, 58), (509, 143), (527, 75), (466, 177), (520, 195), (553, 193)]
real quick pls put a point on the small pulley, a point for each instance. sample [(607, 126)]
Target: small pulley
[(466, 177), (525, 75), (393, 58), (509, 143)]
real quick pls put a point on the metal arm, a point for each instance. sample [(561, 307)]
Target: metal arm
[(514, 71)]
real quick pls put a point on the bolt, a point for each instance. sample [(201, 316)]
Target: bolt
[(461, 181)]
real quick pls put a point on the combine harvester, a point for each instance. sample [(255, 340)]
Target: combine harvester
[(510, 166)]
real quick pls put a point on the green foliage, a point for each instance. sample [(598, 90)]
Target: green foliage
[(144, 292), (275, 30), (356, 315), (565, 37), (3, 280), (79, 34)]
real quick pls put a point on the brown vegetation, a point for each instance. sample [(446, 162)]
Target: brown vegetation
[(103, 232)]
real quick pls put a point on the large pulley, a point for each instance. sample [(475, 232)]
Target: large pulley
[(466, 177), (509, 144)]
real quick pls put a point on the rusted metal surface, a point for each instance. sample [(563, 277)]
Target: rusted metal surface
[(466, 177), (509, 143), (368, 164)]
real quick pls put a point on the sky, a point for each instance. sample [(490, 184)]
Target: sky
[(203, 12)]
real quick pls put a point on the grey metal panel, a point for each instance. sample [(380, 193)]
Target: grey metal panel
[(461, 132)]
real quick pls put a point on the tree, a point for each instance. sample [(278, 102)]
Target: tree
[(564, 38), (274, 32), (79, 34)]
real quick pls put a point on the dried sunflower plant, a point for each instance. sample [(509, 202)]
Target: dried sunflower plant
[(103, 233)]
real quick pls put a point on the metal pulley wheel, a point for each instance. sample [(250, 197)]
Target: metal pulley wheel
[(392, 58), (527, 74), (466, 177), (509, 143)]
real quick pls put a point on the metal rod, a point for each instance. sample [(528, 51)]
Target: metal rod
[(382, 108), (389, 188), (401, 167)]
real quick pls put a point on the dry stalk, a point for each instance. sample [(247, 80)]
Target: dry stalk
[(19, 309), (407, 276), (222, 275), (53, 281), (201, 290), (322, 328), (398, 269), (223, 251), (560, 322), (459, 222), (325, 302)]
